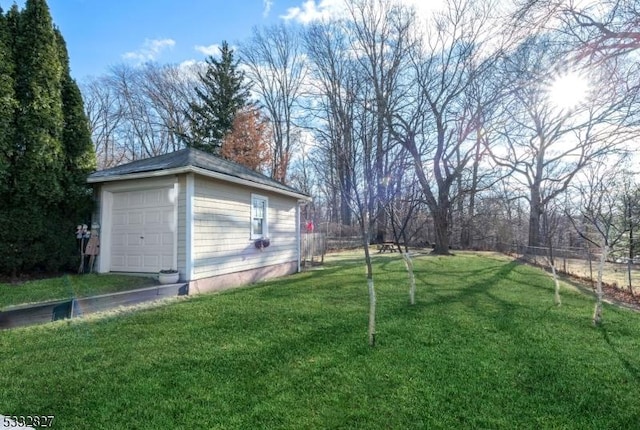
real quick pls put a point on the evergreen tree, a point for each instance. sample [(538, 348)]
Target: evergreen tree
[(79, 155), (39, 124), (7, 105), (221, 94), (78, 161), (35, 190), (10, 256), (47, 148)]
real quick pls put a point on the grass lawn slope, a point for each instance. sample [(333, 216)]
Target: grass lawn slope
[(68, 286), (484, 347)]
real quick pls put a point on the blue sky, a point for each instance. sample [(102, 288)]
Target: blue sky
[(102, 33)]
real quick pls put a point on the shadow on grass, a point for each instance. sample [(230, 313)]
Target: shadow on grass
[(491, 295), (632, 368)]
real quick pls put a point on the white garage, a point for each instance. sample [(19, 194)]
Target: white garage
[(143, 230), (139, 227), (196, 213)]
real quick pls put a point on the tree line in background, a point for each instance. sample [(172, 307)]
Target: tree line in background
[(46, 149), (141, 112), (443, 129), (462, 128)]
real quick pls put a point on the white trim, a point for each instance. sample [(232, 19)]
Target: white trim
[(176, 223), (265, 217), (200, 171), (298, 245), (141, 184), (106, 207), (189, 220)]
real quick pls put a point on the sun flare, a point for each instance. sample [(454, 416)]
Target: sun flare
[(568, 90)]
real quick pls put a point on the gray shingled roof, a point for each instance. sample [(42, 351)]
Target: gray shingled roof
[(186, 158)]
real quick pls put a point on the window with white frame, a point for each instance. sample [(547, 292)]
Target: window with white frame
[(259, 221)]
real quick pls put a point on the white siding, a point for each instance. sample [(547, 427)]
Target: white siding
[(222, 233)]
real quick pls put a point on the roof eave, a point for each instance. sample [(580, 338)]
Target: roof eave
[(199, 171), (249, 183), (139, 175)]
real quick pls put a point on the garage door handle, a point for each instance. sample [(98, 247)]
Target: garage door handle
[(141, 237)]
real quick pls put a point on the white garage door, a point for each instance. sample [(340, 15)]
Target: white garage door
[(142, 231)]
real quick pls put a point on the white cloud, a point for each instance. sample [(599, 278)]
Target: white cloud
[(309, 11), (188, 64), (212, 50), (191, 69), (150, 50), (268, 4), (317, 10)]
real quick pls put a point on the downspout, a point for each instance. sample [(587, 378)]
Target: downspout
[(298, 234)]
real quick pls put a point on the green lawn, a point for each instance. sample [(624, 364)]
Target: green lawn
[(68, 286), (484, 347)]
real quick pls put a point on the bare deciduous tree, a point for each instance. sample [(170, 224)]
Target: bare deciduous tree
[(138, 112), (380, 38), (333, 81), (103, 112), (168, 90), (342, 131), (437, 125), (275, 66), (599, 217), (602, 28), (545, 144), (356, 65)]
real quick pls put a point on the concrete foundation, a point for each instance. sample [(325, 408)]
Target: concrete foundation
[(238, 279)]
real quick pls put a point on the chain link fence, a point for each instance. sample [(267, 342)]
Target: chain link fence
[(582, 263)]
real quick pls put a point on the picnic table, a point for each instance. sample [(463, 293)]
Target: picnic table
[(387, 246)]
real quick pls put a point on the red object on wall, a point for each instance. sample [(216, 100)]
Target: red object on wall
[(309, 226)]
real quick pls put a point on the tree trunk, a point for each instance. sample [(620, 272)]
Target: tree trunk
[(535, 213), (441, 230), (552, 263), (556, 296), (467, 224), (462, 220), (631, 253), (371, 290), (372, 312), (590, 266), (629, 275), (345, 209), (412, 278), (465, 233), (597, 312)]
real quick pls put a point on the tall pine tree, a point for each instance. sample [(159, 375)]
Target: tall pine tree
[(48, 152), (79, 156), (221, 94), (7, 105)]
